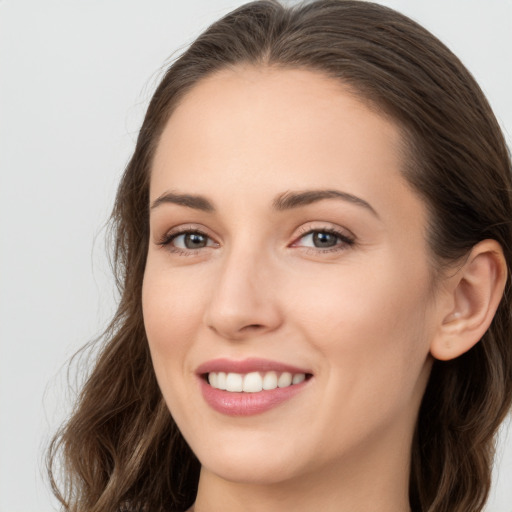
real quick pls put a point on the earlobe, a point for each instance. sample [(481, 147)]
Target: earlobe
[(475, 293)]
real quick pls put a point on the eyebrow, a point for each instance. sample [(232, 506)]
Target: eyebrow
[(285, 201), (290, 200), (188, 200)]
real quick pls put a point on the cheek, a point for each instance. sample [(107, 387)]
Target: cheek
[(170, 304), (370, 322), (172, 316)]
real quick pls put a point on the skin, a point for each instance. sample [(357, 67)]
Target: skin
[(361, 316)]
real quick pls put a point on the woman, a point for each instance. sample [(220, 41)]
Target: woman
[(313, 240)]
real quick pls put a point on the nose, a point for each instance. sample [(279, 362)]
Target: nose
[(244, 303)]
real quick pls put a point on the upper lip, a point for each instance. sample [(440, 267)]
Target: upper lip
[(252, 364)]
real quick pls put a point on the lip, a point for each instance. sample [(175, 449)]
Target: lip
[(252, 364), (247, 404)]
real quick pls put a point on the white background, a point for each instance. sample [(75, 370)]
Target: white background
[(75, 77)]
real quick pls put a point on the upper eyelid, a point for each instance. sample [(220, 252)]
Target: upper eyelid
[(334, 231), (187, 228), (313, 226)]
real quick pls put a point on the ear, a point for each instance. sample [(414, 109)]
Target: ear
[(474, 294)]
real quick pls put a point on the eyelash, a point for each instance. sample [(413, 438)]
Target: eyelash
[(344, 241), (168, 238)]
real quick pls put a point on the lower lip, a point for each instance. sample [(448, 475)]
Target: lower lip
[(247, 404)]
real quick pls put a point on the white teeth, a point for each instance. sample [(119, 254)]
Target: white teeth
[(221, 380), (253, 382), (298, 378), (285, 379), (213, 379), (234, 382), (270, 380)]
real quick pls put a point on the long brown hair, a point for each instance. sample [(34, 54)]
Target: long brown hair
[(121, 447)]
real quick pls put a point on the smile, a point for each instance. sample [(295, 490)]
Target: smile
[(251, 386), (253, 382)]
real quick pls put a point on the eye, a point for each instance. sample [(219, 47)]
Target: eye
[(187, 241), (324, 239), (320, 239), (191, 240)]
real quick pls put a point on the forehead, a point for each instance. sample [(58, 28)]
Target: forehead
[(285, 99), (267, 130), (270, 108)]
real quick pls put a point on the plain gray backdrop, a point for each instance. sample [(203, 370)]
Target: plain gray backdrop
[(75, 78)]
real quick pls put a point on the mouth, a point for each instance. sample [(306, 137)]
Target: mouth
[(253, 382), (251, 386)]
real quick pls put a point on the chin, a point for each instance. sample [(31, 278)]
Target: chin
[(249, 456), (259, 469)]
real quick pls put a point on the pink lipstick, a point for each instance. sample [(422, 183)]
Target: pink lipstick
[(251, 386)]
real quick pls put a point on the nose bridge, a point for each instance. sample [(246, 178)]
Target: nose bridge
[(244, 300)]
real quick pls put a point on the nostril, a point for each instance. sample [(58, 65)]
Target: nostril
[(252, 327)]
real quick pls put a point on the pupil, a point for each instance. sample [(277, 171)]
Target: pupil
[(194, 240), (322, 239)]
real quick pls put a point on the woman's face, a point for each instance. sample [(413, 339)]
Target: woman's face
[(285, 245)]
